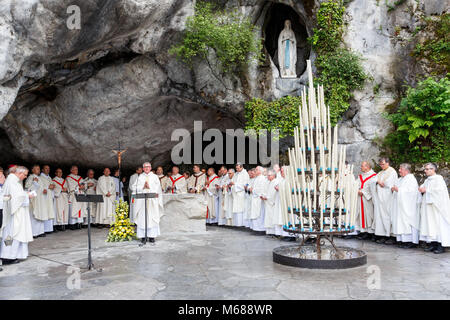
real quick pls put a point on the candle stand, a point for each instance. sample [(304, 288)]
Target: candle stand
[(319, 193)]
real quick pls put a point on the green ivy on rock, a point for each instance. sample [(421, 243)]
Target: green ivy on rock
[(229, 35), (280, 114), (422, 124), (339, 69), (435, 49), (340, 73)]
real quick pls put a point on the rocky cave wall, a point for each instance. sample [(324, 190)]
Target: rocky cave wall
[(74, 94)]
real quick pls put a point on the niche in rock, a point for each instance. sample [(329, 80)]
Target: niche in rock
[(274, 23)]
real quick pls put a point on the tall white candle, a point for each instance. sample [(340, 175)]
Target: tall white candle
[(309, 207), (291, 207), (329, 138)]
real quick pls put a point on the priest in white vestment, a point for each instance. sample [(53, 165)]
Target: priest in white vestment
[(37, 207), (212, 197), (49, 198), (221, 187), (248, 198), (132, 189), (257, 208), (119, 185), (16, 230), (364, 223), (197, 181), (404, 210), (106, 209), (163, 179), (240, 180), (382, 202), (277, 169), (61, 201), (90, 184), (271, 197), (2, 183), (434, 211), (178, 183), (32, 184), (228, 202), (77, 209), (281, 207), (148, 182)]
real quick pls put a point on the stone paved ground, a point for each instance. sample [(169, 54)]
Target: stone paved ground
[(218, 264)]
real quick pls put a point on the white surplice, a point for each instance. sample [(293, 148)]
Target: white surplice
[(48, 201), (270, 205), (106, 209), (16, 229), (435, 211), (91, 191), (367, 185), (405, 216), (223, 181), (196, 182), (248, 204), (240, 181), (37, 215), (61, 202), (179, 184), (212, 197), (382, 202), (132, 189), (258, 209), (154, 206), (77, 209)]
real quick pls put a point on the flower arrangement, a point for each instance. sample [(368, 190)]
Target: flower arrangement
[(122, 229)]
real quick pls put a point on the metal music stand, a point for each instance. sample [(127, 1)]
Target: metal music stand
[(145, 196), (89, 198)]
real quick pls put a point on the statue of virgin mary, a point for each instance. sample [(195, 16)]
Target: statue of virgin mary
[(287, 51)]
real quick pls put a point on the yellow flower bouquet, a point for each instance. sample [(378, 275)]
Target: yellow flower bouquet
[(122, 229)]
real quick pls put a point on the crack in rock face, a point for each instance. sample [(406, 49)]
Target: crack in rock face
[(71, 94)]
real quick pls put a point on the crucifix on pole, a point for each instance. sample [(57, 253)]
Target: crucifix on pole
[(119, 152)]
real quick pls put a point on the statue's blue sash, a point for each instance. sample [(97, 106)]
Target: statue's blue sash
[(287, 56)]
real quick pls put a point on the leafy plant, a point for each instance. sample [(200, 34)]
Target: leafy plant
[(340, 72), (339, 69), (327, 36), (228, 34), (280, 114), (422, 125)]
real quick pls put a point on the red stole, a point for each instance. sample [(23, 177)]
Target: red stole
[(207, 185), (174, 181), (60, 184), (77, 181), (209, 182), (363, 181)]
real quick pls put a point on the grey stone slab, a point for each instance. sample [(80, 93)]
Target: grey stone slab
[(219, 264)]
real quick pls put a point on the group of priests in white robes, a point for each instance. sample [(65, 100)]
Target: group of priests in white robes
[(41, 208), (392, 208), (246, 199), (54, 206)]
